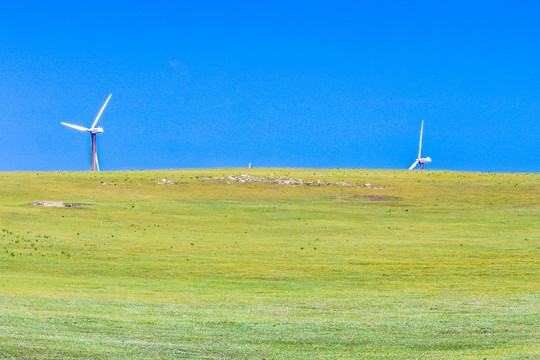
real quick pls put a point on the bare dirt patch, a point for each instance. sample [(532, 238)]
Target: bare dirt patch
[(57, 204), (376, 197)]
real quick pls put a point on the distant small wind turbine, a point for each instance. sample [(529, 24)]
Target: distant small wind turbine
[(420, 159), (93, 131)]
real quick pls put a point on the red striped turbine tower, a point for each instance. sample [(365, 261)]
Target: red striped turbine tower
[(93, 130)]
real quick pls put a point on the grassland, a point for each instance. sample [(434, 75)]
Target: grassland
[(437, 265)]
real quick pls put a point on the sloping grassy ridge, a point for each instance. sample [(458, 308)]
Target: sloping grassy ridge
[(436, 265)]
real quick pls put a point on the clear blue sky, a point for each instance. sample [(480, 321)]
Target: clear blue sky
[(200, 84)]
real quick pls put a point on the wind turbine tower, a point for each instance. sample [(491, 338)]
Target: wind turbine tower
[(93, 130), (420, 160)]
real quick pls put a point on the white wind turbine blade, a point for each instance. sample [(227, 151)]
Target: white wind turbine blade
[(100, 111), (420, 146), (413, 165), (76, 127), (97, 163)]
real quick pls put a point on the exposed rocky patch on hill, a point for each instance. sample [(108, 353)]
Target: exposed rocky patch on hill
[(285, 181)]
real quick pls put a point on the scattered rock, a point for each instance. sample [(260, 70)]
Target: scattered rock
[(106, 183), (165, 182)]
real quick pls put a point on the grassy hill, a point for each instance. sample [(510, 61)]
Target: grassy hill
[(428, 265)]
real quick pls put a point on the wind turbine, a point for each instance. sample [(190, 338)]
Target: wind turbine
[(93, 131), (420, 159)]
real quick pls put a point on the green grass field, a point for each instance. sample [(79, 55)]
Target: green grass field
[(437, 265)]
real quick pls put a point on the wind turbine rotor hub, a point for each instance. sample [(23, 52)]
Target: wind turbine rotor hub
[(97, 130)]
